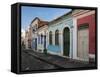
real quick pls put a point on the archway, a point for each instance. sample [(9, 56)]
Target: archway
[(66, 41)]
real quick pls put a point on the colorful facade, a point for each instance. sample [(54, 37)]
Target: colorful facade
[(41, 45), (60, 34), (38, 29), (71, 35), (84, 21)]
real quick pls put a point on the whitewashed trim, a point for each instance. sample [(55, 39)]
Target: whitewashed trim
[(74, 38), (70, 41)]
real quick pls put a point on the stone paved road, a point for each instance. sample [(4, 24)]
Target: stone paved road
[(32, 60), (60, 61), (31, 63)]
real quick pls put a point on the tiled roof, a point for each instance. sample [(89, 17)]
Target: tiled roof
[(42, 23)]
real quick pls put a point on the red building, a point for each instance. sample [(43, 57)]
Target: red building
[(85, 20)]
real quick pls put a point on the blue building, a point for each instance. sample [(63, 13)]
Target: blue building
[(60, 36)]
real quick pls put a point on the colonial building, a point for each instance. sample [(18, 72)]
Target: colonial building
[(60, 36), (84, 22), (71, 35), (42, 32), (38, 29)]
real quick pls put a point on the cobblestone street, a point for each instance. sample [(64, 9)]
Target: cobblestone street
[(39, 61), (29, 62)]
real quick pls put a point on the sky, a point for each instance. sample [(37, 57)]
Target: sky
[(46, 14)]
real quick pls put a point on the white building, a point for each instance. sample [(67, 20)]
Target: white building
[(38, 29), (42, 31)]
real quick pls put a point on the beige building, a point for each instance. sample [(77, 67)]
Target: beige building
[(38, 30), (42, 35)]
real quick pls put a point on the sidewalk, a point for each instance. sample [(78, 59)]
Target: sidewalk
[(60, 61)]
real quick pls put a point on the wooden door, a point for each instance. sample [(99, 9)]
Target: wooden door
[(66, 42), (83, 44)]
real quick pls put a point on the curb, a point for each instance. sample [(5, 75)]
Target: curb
[(37, 57)]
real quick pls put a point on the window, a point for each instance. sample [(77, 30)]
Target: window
[(50, 37), (38, 39), (41, 39), (33, 30), (57, 37)]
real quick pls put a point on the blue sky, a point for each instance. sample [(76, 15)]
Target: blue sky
[(46, 14)]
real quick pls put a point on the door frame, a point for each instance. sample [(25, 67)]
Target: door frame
[(82, 26), (69, 41)]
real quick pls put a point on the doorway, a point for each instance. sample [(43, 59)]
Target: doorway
[(83, 43), (66, 41)]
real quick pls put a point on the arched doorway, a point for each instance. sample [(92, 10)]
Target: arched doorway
[(66, 41)]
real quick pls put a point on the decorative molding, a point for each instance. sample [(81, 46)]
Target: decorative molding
[(64, 21)]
